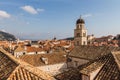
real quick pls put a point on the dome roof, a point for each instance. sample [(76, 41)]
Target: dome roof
[(80, 21)]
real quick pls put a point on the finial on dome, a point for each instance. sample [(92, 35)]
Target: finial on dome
[(80, 20), (80, 16)]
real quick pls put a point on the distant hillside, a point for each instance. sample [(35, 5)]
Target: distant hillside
[(6, 36), (69, 38)]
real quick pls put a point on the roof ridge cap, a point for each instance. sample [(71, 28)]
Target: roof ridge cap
[(9, 55), (116, 60)]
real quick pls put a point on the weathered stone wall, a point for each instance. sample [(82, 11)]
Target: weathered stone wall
[(54, 69), (76, 62)]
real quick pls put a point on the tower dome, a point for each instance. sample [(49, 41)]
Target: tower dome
[(80, 21)]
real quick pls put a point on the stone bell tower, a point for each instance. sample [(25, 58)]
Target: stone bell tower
[(80, 33)]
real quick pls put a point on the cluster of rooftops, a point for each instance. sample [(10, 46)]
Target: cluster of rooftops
[(104, 59), (15, 69), (107, 59)]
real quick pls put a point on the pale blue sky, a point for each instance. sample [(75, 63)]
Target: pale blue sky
[(44, 19)]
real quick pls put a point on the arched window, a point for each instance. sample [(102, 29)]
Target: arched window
[(84, 34), (78, 35), (77, 42), (84, 43), (77, 26), (80, 25)]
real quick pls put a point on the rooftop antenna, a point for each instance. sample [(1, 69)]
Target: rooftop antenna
[(80, 16)]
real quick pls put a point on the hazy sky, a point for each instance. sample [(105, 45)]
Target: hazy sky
[(44, 19)]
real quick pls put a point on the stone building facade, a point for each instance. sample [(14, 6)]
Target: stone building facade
[(80, 33)]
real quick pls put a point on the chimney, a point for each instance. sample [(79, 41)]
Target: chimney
[(45, 60)]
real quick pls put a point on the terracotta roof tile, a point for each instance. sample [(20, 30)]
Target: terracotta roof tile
[(72, 74), (91, 52), (15, 69), (109, 69), (35, 59), (19, 49), (33, 49)]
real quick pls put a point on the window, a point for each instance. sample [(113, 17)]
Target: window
[(24, 53), (36, 52), (84, 34), (78, 35), (80, 26), (84, 43), (77, 42), (77, 26), (76, 63)]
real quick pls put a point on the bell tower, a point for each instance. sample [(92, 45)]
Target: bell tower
[(80, 33)]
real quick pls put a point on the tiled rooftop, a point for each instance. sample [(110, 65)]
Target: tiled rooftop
[(6, 66), (91, 52), (72, 74), (109, 70), (104, 59), (19, 49), (35, 59), (15, 69), (23, 74)]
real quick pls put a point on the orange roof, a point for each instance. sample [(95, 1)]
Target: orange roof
[(15, 69), (19, 49), (33, 49), (53, 58)]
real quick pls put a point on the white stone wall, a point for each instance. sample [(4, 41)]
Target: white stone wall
[(54, 69), (42, 52), (18, 54), (31, 53)]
